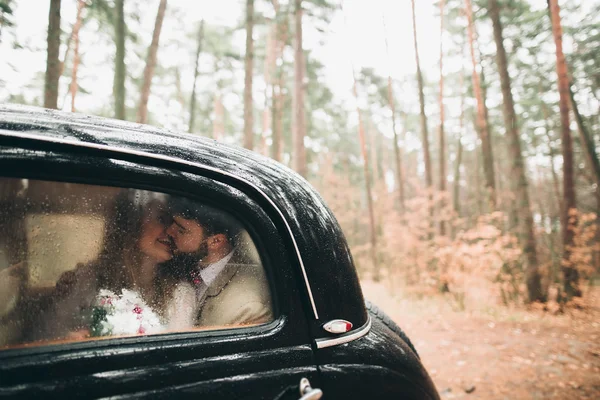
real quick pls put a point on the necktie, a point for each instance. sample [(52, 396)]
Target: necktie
[(201, 287)]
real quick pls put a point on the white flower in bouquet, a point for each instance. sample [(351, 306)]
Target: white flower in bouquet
[(124, 314)]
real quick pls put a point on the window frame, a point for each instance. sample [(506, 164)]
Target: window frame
[(76, 168)]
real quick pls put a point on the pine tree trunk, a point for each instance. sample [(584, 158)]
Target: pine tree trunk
[(380, 156), (587, 142), (218, 121), (268, 69), (459, 151), (298, 124), (482, 126), (248, 71), (52, 61), (518, 177), (196, 72), (442, 138), (570, 273), (424, 132), (67, 51), (366, 169), (151, 64), (478, 198), (596, 252), (372, 140), (484, 94), (456, 188), (73, 86), (119, 82), (266, 120), (178, 89), (277, 121), (461, 128), (555, 180), (397, 151), (277, 95)]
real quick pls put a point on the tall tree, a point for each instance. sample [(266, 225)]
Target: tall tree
[(119, 81), (397, 153), (151, 64), (277, 88), (587, 141), (461, 132), (298, 120), (570, 273), (196, 72), (482, 125), (459, 151), (52, 61), (248, 68), (519, 180), (219, 116), (76, 28), (268, 69), (366, 169), (67, 50), (551, 154), (442, 138), (424, 131)]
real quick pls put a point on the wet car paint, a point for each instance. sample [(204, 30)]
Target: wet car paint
[(325, 252), (164, 367)]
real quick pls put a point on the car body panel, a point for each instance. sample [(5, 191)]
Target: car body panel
[(383, 359), (247, 369), (309, 264), (325, 252)]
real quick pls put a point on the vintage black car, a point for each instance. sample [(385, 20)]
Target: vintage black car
[(300, 328)]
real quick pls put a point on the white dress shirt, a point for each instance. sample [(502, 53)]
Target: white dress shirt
[(210, 273), (182, 309)]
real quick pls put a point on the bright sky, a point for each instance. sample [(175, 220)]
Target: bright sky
[(356, 36)]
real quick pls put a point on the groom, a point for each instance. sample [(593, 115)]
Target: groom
[(230, 289)]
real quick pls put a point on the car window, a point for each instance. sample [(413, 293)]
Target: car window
[(84, 262)]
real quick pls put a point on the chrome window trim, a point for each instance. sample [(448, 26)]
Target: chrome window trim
[(102, 147), (349, 337)]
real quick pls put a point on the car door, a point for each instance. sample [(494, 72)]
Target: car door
[(265, 361)]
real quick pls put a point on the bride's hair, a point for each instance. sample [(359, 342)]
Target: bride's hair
[(121, 234), (120, 258)]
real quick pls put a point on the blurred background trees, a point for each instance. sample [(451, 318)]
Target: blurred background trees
[(503, 199)]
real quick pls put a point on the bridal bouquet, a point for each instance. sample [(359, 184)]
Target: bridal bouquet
[(122, 314)]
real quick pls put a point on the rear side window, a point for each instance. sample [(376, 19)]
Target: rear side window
[(84, 262)]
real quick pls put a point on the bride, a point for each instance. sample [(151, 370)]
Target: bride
[(121, 292)]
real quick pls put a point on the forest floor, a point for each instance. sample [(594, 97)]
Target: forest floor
[(501, 353)]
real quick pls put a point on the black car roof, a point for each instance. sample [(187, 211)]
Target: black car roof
[(327, 259)]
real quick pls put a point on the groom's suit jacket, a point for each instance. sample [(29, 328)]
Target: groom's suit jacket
[(239, 295)]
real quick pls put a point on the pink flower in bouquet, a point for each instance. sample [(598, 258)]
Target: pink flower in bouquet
[(106, 301), (124, 314)]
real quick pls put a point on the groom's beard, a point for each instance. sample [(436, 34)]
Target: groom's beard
[(190, 261), (202, 251)]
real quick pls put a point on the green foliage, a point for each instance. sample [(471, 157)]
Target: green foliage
[(6, 17), (6, 13), (585, 60)]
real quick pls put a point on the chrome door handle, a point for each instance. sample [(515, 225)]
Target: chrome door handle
[(307, 392)]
